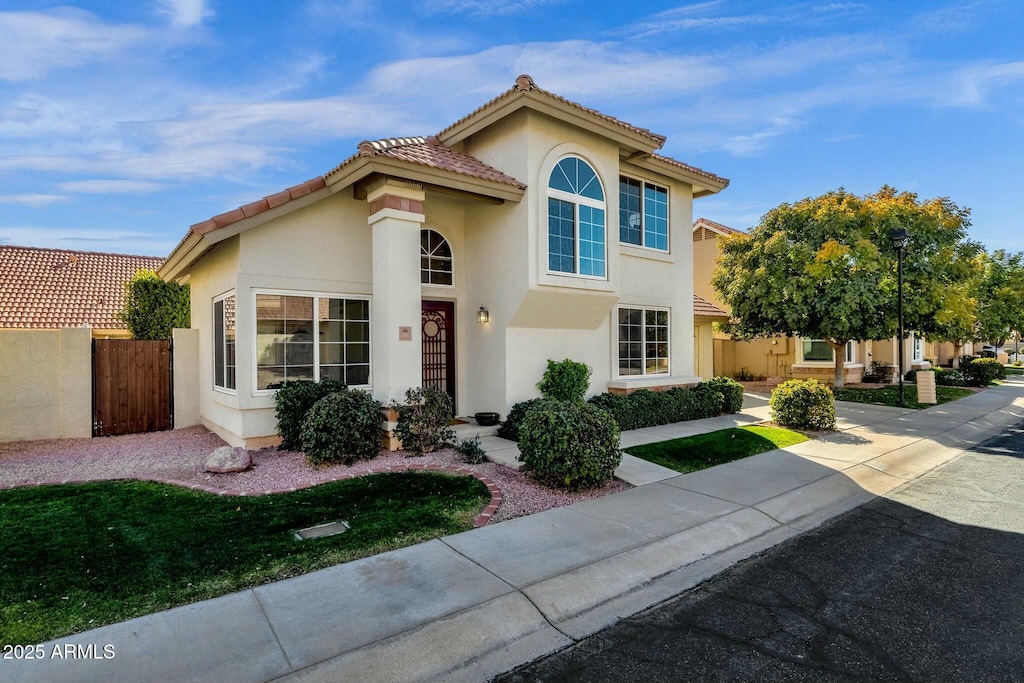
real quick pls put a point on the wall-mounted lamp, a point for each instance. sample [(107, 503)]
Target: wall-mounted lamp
[(483, 316)]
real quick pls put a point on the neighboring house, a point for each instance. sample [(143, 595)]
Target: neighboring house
[(784, 357), (54, 288), (533, 228)]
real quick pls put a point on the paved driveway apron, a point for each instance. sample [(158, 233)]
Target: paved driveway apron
[(923, 584)]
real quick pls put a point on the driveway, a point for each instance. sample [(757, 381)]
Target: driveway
[(923, 584)]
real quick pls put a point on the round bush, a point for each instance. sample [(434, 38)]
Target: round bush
[(291, 403), (342, 427), (981, 372), (565, 380), (803, 404), (731, 390), (509, 429), (569, 444)]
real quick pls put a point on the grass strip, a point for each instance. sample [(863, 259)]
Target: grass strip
[(890, 395), (692, 453), (75, 557)]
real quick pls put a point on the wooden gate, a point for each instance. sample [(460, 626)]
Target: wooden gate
[(132, 389)]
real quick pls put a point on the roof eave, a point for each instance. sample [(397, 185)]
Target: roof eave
[(551, 106), (363, 167), (702, 185)]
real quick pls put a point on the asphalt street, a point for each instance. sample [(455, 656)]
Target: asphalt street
[(925, 584)]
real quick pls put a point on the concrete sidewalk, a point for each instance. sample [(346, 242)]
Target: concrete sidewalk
[(469, 606)]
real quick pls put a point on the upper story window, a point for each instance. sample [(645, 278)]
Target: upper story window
[(576, 223), (435, 259), (643, 214)]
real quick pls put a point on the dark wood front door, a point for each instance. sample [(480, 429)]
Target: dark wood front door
[(439, 346)]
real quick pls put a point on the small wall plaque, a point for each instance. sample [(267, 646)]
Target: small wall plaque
[(404, 333)]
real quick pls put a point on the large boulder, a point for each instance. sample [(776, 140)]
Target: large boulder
[(227, 459)]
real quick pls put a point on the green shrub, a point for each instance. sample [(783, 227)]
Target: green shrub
[(342, 427), (950, 378), (879, 371), (292, 402), (1018, 363), (471, 451), (565, 380), (569, 444), (153, 307), (803, 404), (424, 420), (509, 429), (980, 372), (731, 390), (911, 376)]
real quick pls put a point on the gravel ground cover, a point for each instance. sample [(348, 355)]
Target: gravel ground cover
[(181, 455)]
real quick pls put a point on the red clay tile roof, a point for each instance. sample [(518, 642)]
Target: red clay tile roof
[(429, 152), (269, 202), (49, 288), (718, 226), (524, 83), (703, 307), (692, 169)]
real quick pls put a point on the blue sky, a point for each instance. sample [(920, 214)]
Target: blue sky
[(123, 123)]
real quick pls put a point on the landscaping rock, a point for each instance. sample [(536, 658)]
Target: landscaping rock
[(227, 459)]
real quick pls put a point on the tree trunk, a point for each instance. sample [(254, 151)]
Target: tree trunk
[(957, 350), (839, 379)]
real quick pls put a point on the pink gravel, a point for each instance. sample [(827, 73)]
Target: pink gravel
[(181, 454)]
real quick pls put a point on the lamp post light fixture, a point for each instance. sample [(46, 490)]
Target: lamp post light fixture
[(900, 239), (483, 316)]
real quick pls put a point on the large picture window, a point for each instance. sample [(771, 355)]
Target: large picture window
[(820, 351), (311, 338), (643, 214), (643, 341), (576, 220), (224, 342)]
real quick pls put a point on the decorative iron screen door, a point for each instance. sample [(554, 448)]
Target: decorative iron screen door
[(439, 346)]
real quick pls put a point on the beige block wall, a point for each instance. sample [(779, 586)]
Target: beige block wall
[(185, 345), (45, 384), (705, 252)]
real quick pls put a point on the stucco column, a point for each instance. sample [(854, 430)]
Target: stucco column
[(396, 217)]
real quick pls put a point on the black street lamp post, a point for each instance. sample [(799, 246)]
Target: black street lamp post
[(900, 239)]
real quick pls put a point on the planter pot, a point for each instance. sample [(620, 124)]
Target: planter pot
[(486, 419)]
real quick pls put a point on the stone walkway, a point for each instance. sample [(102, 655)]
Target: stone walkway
[(469, 606)]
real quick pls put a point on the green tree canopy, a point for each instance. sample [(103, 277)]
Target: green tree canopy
[(1000, 296), (154, 307), (824, 268)]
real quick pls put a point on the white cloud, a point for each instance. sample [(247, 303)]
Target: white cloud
[(184, 13), (37, 42), (110, 187), (34, 200), (486, 7)]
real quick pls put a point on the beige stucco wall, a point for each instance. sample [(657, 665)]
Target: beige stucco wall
[(705, 252), (185, 344), (45, 384)]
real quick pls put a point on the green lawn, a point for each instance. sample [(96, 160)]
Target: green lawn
[(693, 453), (890, 395), (75, 557), (1010, 370)]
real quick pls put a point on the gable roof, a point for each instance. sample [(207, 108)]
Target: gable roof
[(715, 227), (702, 308), (52, 288)]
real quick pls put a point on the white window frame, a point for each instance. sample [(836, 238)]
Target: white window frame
[(668, 217), (449, 242), (213, 314), (916, 347), (643, 342), (849, 358), (316, 342), (576, 200)]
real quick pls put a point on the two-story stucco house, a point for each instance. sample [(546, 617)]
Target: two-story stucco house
[(533, 228)]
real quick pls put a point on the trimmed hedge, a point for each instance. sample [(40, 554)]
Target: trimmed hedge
[(509, 429), (291, 404), (565, 380), (569, 444), (342, 427), (980, 372), (731, 390), (803, 404)]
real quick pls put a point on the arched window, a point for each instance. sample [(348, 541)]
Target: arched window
[(576, 222), (435, 259)]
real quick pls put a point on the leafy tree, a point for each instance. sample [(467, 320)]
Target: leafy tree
[(1000, 297), (824, 268), (154, 307)]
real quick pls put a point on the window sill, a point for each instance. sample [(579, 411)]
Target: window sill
[(570, 281), (648, 253), (825, 364), (633, 383)]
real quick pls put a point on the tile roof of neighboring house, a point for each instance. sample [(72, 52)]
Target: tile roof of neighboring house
[(49, 288), (430, 152), (524, 83), (703, 307), (718, 226)]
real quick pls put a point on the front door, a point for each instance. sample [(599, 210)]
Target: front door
[(439, 346)]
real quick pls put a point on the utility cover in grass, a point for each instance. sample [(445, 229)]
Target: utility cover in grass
[(693, 453)]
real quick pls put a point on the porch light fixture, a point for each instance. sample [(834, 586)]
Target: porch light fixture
[(483, 316), (900, 239)]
